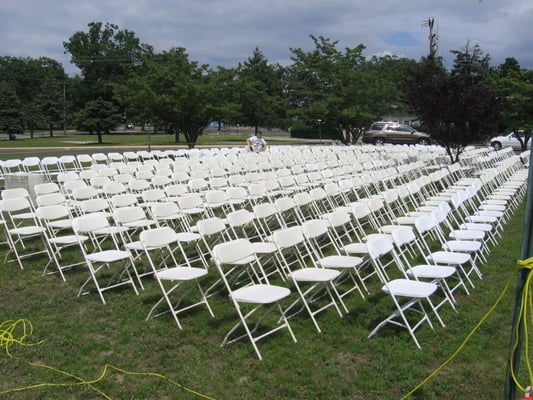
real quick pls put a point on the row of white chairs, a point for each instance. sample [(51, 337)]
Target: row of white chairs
[(133, 277)]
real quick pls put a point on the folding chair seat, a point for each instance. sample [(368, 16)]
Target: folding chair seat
[(160, 181), (137, 186), (123, 178), (113, 188), (57, 220), (322, 244), (406, 294), (175, 191), (22, 229), (250, 297), (237, 180), (404, 237), (112, 258), (425, 226), (315, 285)]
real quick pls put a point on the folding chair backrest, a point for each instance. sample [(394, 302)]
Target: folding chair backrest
[(52, 212), (233, 251), (50, 199), (124, 215), (288, 237), (157, 237), (90, 222)]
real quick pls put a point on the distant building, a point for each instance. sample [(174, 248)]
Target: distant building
[(406, 119)]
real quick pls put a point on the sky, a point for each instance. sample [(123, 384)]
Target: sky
[(226, 32)]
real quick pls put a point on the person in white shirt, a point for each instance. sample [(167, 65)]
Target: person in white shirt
[(257, 143)]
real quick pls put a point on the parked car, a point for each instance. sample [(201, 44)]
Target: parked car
[(393, 132), (509, 140)]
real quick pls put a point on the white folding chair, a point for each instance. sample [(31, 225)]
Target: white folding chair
[(171, 278), (327, 255), (403, 238), (406, 294), (425, 226), (251, 296), (315, 285), (57, 220), (99, 260), (22, 229)]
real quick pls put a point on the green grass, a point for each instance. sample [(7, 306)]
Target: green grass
[(80, 335), (59, 144)]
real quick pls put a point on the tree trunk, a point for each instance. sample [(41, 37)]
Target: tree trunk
[(99, 134)]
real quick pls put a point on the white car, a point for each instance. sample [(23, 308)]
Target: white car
[(509, 140)]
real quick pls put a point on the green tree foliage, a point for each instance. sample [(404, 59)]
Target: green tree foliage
[(176, 92), (260, 91), (38, 84), (457, 108), (98, 116), (106, 57), (11, 116), (515, 87), (339, 88)]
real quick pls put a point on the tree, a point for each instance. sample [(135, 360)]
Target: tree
[(11, 116), (457, 108), (98, 116), (106, 57), (260, 91), (515, 87), (334, 87), (176, 92)]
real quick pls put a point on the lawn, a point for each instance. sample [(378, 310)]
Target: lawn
[(74, 338)]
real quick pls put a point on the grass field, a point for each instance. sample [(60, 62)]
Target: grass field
[(76, 337)]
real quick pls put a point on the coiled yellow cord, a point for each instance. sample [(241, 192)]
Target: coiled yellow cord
[(462, 345), (17, 331)]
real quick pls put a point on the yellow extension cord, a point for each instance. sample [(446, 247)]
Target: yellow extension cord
[(8, 337), (526, 299)]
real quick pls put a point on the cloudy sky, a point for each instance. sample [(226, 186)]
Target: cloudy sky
[(225, 32)]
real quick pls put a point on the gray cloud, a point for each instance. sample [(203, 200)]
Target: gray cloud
[(226, 32)]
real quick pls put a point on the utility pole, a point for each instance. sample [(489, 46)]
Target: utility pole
[(430, 22), (64, 108)]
